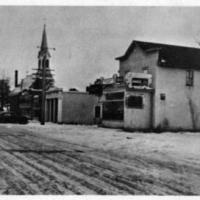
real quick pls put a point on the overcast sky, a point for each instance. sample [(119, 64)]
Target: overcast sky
[(87, 39)]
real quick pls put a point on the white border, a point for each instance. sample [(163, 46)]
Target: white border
[(97, 3), (96, 197), (101, 2)]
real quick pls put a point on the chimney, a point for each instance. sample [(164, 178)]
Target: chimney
[(16, 78)]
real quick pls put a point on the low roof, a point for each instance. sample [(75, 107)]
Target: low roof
[(27, 82), (54, 89), (169, 55)]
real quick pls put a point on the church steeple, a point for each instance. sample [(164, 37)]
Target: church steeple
[(44, 63), (44, 45)]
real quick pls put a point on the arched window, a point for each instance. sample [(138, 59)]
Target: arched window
[(47, 63)]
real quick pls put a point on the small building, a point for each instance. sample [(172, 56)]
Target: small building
[(24, 99), (71, 107), (128, 105), (160, 89)]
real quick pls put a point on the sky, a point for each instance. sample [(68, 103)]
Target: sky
[(87, 38)]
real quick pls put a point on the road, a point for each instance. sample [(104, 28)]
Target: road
[(39, 164)]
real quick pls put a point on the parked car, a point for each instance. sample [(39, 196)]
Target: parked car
[(9, 117)]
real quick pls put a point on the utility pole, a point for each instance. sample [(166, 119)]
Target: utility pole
[(43, 77), (43, 91)]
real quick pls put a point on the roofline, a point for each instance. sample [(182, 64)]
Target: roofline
[(153, 49), (171, 44)]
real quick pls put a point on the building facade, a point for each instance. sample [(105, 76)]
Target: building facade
[(160, 89), (71, 107)]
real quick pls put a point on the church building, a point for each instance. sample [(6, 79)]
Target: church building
[(25, 98)]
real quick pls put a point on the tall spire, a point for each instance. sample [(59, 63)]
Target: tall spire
[(44, 44)]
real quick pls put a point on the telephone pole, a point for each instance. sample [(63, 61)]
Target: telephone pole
[(43, 91)]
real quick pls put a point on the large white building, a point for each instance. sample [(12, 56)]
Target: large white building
[(160, 89)]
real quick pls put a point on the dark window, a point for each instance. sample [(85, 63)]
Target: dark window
[(43, 63), (162, 96), (189, 78), (47, 63), (116, 95), (134, 102), (113, 110), (97, 111)]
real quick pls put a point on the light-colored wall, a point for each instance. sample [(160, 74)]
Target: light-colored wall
[(181, 109), (137, 60), (135, 118), (78, 108), (59, 111)]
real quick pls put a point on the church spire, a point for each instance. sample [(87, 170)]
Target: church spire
[(44, 46)]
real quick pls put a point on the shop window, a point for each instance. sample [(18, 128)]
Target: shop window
[(113, 110), (189, 78), (134, 102)]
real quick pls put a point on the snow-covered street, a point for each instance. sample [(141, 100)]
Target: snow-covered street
[(73, 159)]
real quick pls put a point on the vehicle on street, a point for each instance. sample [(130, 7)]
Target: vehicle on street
[(10, 117)]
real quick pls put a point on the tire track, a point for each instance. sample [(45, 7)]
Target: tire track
[(87, 164), (128, 184), (95, 188), (113, 180), (105, 179), (75, 188), (71, 174), (31, 178)]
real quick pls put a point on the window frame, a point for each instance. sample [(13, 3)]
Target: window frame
[(141, 106), (189, 77)]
